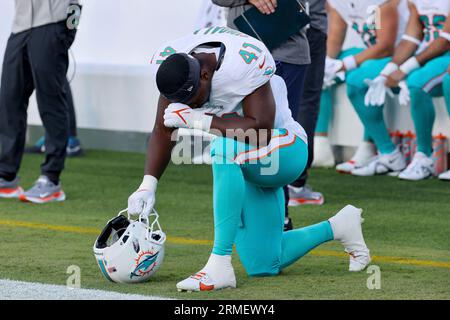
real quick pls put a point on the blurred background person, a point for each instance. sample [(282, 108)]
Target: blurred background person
[(73, 144), (356, 64), (36, 58), (446, 85), (299, 192), (387, 26), (292, 60), (211, 15), (419, 67)]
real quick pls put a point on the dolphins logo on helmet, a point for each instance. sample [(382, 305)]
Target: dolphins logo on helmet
[(146, 265)]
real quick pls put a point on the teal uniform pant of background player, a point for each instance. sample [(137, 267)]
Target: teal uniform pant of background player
[(249, 206), (425, 84), (446, 86), (326, 100), (371, 117)]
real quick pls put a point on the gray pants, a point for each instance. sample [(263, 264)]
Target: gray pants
[(35, 59)]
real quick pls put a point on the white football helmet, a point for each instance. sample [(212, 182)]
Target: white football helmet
[(130, 251)]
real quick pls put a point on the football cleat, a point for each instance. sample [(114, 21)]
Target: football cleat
[(323, 153), (43, 191), (346, 226), (445, 176), (420, 168), (217, 274), (392, 163), (10, 189), (364, 154), (304, 195)]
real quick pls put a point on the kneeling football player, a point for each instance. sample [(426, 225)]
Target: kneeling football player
[(221, 81)]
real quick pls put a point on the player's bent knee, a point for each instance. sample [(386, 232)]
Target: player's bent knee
[(355, 92), (356, 80), (259, 237), (257, 264), (416, 80), (263, 273)]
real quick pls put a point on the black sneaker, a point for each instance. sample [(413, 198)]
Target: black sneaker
[(288, 224)]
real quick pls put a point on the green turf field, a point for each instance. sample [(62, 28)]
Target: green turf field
[(407, 228)]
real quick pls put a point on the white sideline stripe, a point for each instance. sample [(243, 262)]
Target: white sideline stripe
[(20, 290)]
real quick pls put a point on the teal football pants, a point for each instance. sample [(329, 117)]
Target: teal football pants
[(446, 86), (424, 84), (371, 117), (326, 101), (249, 203)]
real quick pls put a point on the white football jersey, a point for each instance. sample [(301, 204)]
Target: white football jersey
[(246, 66), (433, 14), (361, 16)]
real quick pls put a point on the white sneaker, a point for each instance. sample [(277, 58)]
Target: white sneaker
[(445, 176), (304, 195), (382, 164), (365, 152), (323, 154), (10, 189), (346, 226), (217, 274), (421, 167)]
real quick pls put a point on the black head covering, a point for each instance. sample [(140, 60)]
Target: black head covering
[(178, 77)]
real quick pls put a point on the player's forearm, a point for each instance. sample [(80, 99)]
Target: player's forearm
[(337, 31), (244, 129), (377, 51), (159, 152), (404, 51), (335, 41), (259, 110), (334, 47), (239, 123), (436, 49)]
